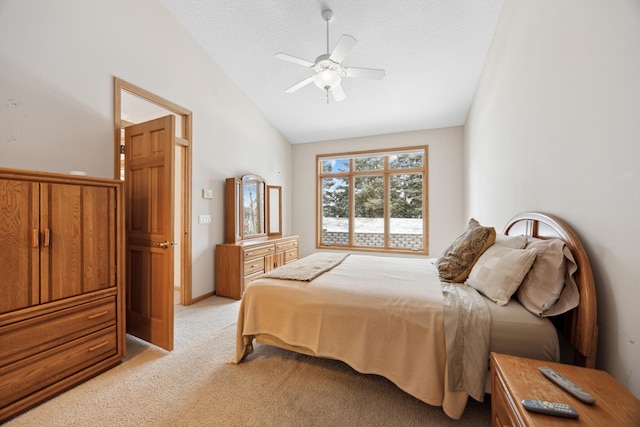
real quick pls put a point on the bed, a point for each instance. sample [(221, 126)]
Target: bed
[(403, 319)]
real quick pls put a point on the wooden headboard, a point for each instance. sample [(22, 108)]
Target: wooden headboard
[(580, 324)]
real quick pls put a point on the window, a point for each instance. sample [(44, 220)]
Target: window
[(375, 200)]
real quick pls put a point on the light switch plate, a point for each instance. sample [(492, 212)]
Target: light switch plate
[(204, 219), (207, 193)]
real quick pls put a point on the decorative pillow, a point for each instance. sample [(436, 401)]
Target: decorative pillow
[(499, 272), (550, 289), (456, 261), (514, 242)]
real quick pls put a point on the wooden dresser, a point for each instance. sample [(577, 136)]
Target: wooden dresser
[(239, 263), (514, 379), (61, 284)]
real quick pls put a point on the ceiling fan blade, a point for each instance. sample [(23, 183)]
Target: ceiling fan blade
[(342, 49), (365, 73), (299, 85), (289, 58), (338, 93)]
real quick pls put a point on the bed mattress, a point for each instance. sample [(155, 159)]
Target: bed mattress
[(516, 331)]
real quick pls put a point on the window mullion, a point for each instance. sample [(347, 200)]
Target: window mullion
[(387, 207), (352, 207)]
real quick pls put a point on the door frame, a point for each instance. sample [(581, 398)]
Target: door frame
[(184, 141)]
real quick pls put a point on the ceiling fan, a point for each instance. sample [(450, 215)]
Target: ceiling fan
[(328, 67)]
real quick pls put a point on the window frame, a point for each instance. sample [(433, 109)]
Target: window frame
[(386, 172)]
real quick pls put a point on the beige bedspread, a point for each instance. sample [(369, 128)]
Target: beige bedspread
[(401, 339)]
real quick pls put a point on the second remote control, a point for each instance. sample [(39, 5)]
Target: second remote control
[(566, 384), (550, 408)]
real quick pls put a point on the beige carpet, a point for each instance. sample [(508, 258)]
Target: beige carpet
[(193, 386)]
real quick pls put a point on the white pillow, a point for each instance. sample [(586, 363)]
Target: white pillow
[(515, 242), (499, 272)]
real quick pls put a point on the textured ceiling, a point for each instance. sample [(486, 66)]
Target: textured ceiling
[(432, 51)]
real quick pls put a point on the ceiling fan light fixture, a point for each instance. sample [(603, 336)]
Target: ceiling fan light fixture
[(327, 79)]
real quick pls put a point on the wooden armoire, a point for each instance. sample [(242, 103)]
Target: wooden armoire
[(61, 284)]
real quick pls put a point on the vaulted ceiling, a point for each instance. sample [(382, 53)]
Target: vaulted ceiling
[(432, 51)]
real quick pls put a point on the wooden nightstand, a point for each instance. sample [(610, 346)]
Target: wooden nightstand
[(515, 378)]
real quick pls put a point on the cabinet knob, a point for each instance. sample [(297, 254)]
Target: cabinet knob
[(95, 347), (35, 238)]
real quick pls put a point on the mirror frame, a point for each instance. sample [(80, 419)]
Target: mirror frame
[(274, 210)]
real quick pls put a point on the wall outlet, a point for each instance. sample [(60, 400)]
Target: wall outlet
[(204, 219)]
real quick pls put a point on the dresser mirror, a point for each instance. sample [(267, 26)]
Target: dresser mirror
[(274, 213), (253, 209)]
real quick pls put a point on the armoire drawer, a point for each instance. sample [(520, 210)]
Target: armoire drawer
[(44, 369), (259, 251), (23, 339)]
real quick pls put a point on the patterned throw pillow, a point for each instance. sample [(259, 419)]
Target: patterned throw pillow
[(456, 261)]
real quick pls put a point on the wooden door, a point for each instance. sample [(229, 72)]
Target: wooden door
[(78, 247), (19, 245), (149, 187)]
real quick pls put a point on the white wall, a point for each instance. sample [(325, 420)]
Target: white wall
[(446, 212), (555, 127), (58, 59)]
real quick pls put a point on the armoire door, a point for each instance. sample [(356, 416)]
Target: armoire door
[(19, 245)]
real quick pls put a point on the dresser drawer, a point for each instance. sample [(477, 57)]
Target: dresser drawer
[(289, 244), (249, 278), (23, 339), (34, 373), (290, 255), (254, 266), (258, 251)]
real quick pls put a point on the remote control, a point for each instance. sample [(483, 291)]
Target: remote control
[(566, 384), (550, 408)]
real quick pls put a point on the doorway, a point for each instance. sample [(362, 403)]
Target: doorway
[(132, 106)]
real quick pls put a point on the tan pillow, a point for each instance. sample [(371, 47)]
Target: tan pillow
[(515, 242), (550, 289), (456, 261), (499, 272)]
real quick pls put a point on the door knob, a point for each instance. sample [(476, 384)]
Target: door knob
[(165, 244)]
